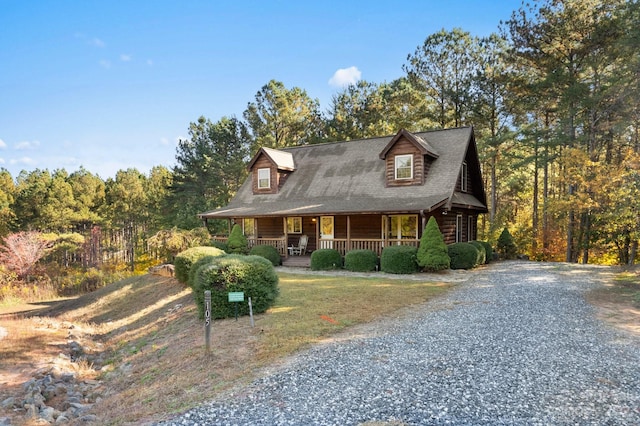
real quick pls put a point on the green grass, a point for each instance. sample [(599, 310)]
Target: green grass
[(311, 308)]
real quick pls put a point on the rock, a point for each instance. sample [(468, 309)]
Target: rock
[(8, 403), (5, 421), (62, 419), (32, 412), (47, 414)]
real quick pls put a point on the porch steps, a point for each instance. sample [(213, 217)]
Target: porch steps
[(297, 261)]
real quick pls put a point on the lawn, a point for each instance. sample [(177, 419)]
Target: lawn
[(148, 330)]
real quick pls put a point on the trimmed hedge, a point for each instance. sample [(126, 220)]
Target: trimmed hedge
[(399, 260), (219, 244), (482, 252), (488, 250), (253, 275), (268, 252), (463, 255), (184, 260), (326, 259), (237, 242), (433, 254), (205, 260), (361, 261)]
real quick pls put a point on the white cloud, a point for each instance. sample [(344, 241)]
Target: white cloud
[(125, 57), (2, 160), (97, 42), (149, 62), (27, 145), (105, 64), (345, 76), (2, 144), (26, 161), (164, 141)]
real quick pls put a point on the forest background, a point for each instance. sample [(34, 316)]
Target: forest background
[(553, 97)]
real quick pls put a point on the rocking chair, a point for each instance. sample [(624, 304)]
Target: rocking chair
[(301, 248)]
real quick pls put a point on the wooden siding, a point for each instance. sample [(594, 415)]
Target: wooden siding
[(263, 162), (270, 227), (404, 147)]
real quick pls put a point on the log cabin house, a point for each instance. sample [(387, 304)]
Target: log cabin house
[(361, 194)]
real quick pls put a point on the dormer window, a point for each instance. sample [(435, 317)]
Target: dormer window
[(404, 166), (264, 178), (463, 177)]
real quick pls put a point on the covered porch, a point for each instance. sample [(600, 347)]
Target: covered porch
[(345, 233)]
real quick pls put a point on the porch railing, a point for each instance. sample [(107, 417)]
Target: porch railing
[(343, 245), (279, 243)]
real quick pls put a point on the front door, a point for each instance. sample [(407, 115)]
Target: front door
[(326, 231)]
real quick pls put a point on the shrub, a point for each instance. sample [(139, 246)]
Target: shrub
[(185, 259), (268, 252), (237, 242), (193, 270), (361, 261), (488, 251), (432, 254), (482, 252), (220, 245), (399, 260), (326, 259), (463, 255), (253, 275), (506, 246)]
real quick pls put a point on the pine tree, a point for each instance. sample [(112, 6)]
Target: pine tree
[(432, 253)]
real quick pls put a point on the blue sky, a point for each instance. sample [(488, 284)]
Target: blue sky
[(110, 85)]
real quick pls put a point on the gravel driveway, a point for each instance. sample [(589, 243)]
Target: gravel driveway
[(515, 344)]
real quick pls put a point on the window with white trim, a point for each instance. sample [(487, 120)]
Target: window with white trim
[(402, 227), (264, 178), (463, 177), (404, 166), (459, 228), (249, 227), (294, 225)]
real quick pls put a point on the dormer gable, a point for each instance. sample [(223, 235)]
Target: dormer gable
[(269, 169), (408, 158)]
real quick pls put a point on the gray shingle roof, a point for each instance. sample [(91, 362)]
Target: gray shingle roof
[(349, 177)]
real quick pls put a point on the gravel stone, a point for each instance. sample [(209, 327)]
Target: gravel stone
[(515, 344)]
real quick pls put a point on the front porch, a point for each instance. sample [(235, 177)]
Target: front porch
[(342, 245)]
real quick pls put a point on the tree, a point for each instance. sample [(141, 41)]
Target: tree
[(282, 117), (7, 195), (157, 187), (89, 195), (21, 251), (210, 168), (357, 112), (237, 242), (442, 69), (31, 194), (433, 253)]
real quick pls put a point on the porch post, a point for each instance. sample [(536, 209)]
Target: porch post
[(348, 246), (286, 237)]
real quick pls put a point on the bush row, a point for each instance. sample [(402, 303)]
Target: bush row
[(403, 259), (209, 268)]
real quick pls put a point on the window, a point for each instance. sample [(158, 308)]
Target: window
[(403, 227), (404, 166), (294, 225), (459, 228), (264, 178), (249, 227), (463, 177)]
